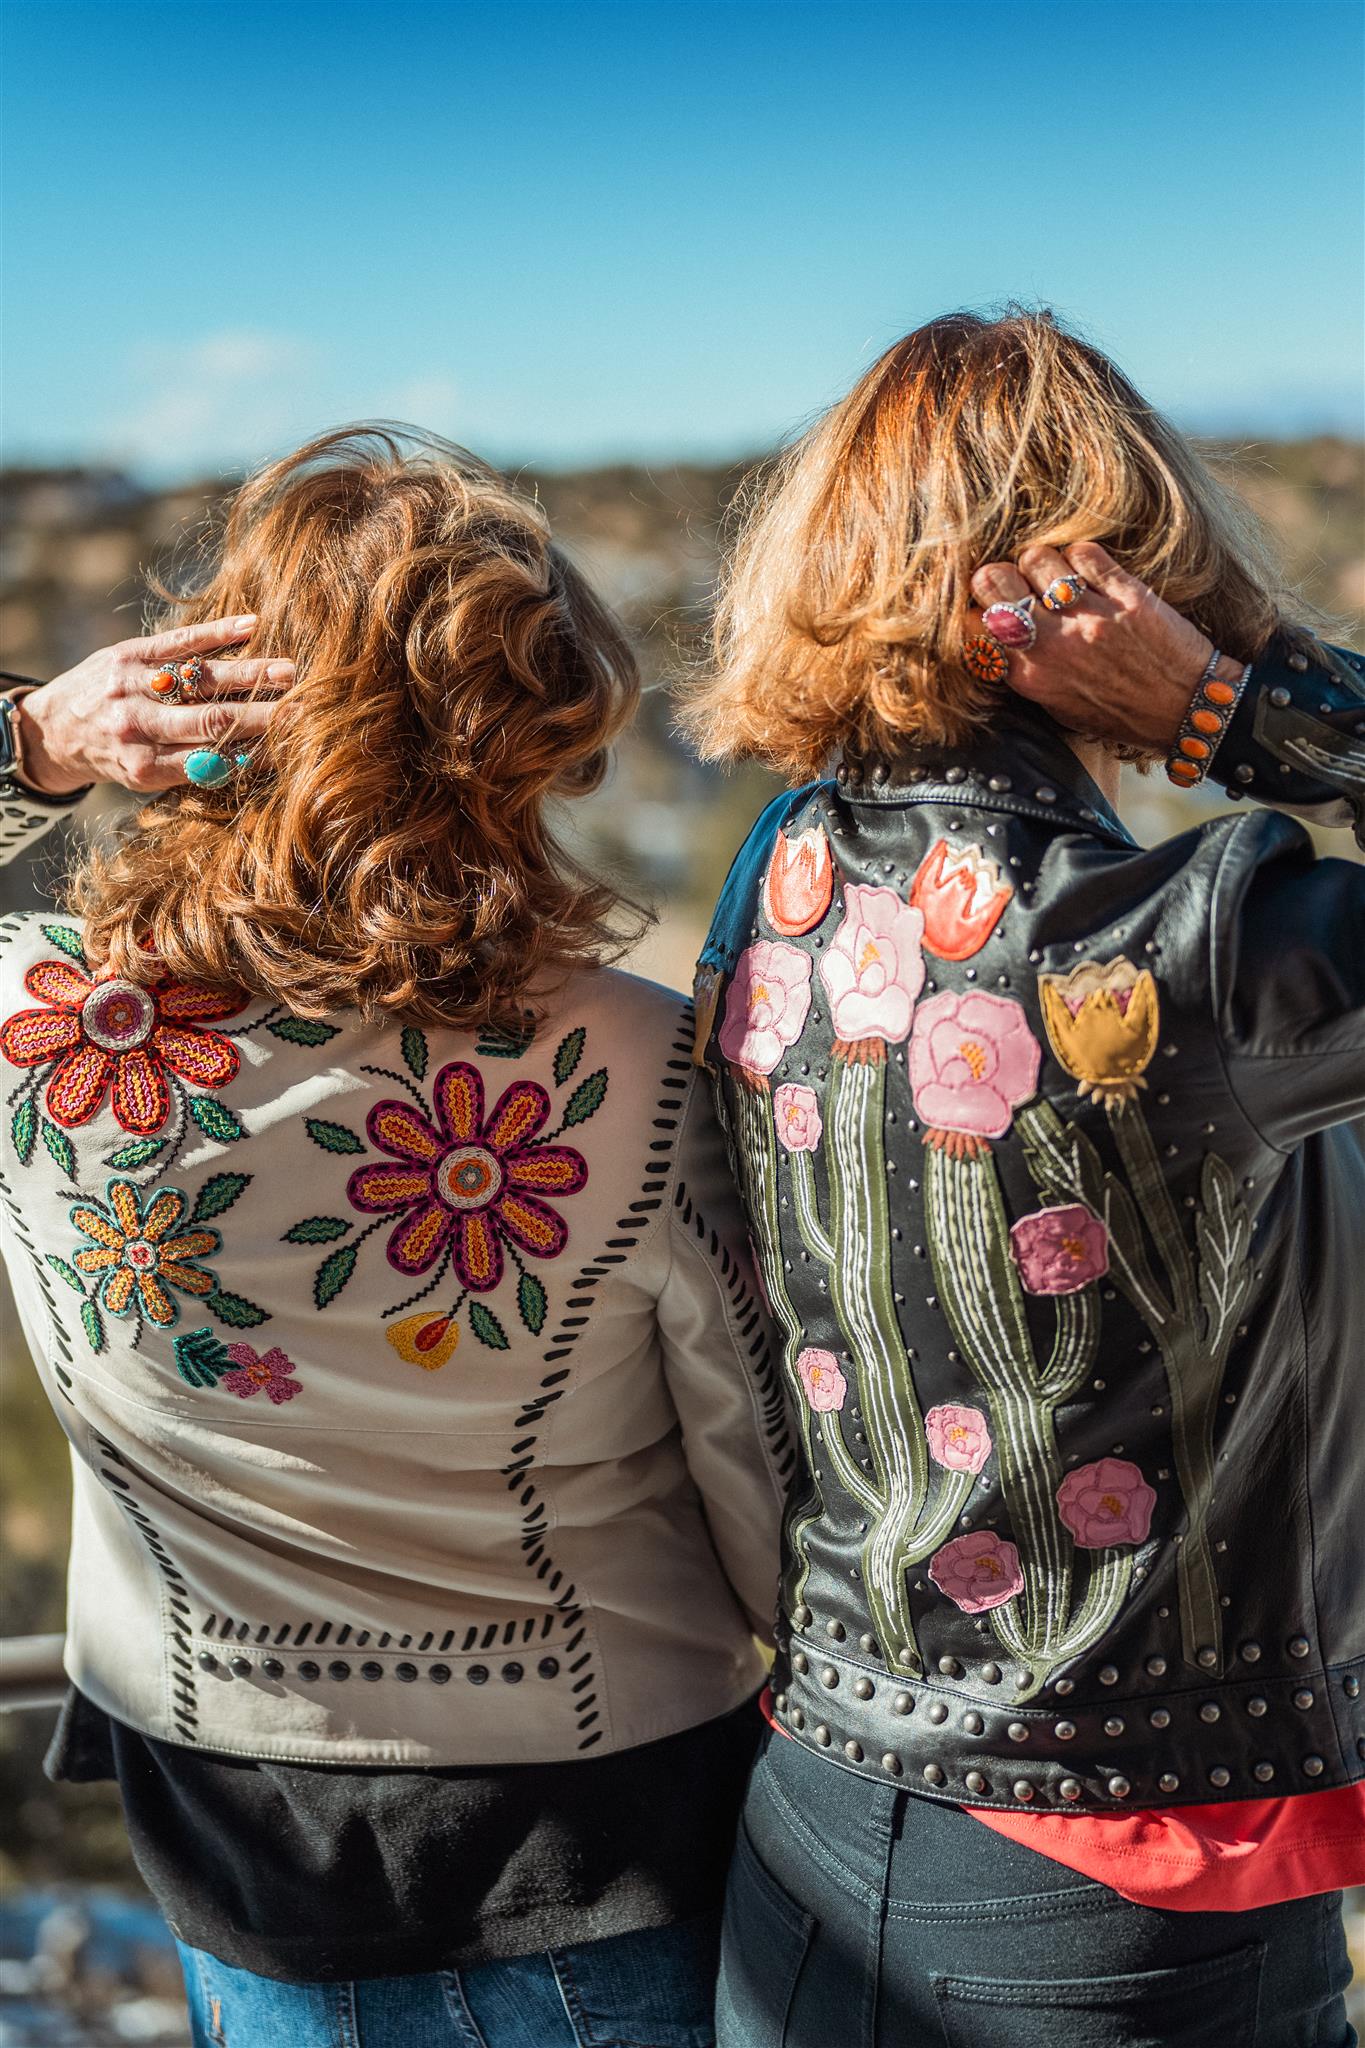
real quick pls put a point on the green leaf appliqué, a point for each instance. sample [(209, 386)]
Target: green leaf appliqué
[(586, 1099), (201, 1357), (60, 1146), (235, 1310), (65, 1272), (214, 1120), (93, 1324), (69, 941), (138, 1153), (316, 1230), (568, 1053), (414, 1043), (333, 1274), (487, 1328), (218, 1194), (532, 1302), (24, 1130), (332, 1137), (302, 1030), (504, 1042)]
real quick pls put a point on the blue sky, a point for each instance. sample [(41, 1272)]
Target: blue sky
[(579, 231)]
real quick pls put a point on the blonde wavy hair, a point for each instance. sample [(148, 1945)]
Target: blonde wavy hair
[(388, 849), (844, 613)]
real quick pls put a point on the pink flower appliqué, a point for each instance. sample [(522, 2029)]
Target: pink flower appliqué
[(958, 1437), (797, 1111), (825, 1385), (766, 1005), (1059, 1251), (1107, 1502), (874, 968), (973, 1060), (977, 1571), (269, 1374)]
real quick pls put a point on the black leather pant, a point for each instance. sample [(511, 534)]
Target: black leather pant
[(859, 1916)]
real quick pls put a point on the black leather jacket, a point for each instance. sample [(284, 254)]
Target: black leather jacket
[(1047, 1145)]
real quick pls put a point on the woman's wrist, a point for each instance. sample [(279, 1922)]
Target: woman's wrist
[(41, 764)]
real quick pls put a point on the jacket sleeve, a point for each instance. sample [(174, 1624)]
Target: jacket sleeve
[(722, 1369), (1288, 977), (1297, 739)]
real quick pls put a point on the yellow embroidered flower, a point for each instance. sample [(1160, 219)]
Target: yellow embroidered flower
[(1103, 1022), (425, 1340)]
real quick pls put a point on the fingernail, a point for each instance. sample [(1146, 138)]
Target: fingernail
[(245, 619), (281, 672)]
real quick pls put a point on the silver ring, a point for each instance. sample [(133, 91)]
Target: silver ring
[(1011, 625), (1064, 591)]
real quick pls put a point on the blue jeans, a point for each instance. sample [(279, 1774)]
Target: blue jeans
[(863, 1916), (654, 1989)]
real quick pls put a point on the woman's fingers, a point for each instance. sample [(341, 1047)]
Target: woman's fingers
[(999, 583), (204, 725), (179, 642), (1102, 572), (1045, 566), (240, 678)]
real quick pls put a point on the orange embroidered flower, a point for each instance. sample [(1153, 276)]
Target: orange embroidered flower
[(799, 886), (139, 1253), (114, 1031), (962, 898), (1103, 1023)]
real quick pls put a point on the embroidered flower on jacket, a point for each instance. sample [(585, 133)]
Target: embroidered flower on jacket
[(425, 1340), (977, 1571), (962, 897), (973, 1060), (114, 1031), (139, 1252), (766, 1005), (959, 1438), (797, 1112), (468, 1182), (1107, 1502), (1103, 1023), (799, 886), (873, 968), (824, 1383), (1059, 1251), (270, 1374)]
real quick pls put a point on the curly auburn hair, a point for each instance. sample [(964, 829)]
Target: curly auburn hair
[(388, 848), (843, 617)]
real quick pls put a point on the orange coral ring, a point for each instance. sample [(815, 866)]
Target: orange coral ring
[(986, 659), (177, 682)]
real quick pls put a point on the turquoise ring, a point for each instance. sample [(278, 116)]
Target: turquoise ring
[(207, 769)]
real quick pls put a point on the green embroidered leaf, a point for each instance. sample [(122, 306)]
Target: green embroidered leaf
[(218, 1194), (332, 1137), (487, 1328), (1222, 1231), (568, 1054), (531, 1300), (586, 1099), (333, 1274), (24, 1130), (60, 1146), (70, 941), (414, 1044), (67, 1273), (93, 1324), (201, 1357), (302, 1030), (504, 1042), (135, 1154), (214, 1120), (236, 1310), (316, 1230)]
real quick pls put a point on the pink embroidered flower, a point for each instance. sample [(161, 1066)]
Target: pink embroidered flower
[(766, 1005), (797, 1111), (1059, 1251), (269, 1374), (973, 1060), (825, 1385), (874, 968), (1107, 1502), (977, 1571), (468, 1182), (958, 1437)]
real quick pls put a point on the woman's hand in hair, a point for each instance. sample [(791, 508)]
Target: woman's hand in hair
[(102, 722), (1119, 665)]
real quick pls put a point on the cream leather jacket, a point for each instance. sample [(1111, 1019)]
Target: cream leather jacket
[(419, 1393)]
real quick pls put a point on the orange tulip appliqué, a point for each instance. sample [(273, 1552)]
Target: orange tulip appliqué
[(962, 899), (799, 886)]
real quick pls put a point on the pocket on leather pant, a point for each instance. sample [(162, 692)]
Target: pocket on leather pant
[(1208, 2004), (764, 1942)]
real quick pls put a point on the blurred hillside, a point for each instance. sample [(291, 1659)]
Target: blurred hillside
[(75, 551)]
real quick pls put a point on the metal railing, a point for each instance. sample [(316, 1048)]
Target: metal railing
[(31, 1672)]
